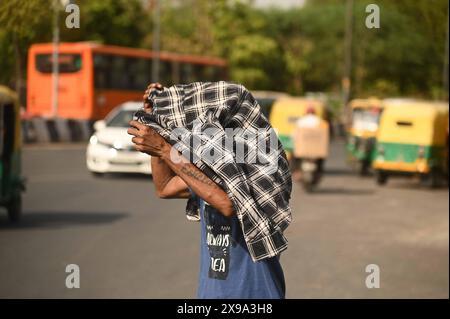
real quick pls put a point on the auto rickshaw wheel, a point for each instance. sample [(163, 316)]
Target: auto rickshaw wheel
[(381, 177), (433, 178), (15, 209), (363, 168)]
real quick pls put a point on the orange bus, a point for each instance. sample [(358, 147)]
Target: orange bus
[(94, 78)]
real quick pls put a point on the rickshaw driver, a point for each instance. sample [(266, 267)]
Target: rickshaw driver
[(309, 120)]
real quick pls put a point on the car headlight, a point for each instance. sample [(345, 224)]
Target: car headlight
[(93, 140), (117, 145)]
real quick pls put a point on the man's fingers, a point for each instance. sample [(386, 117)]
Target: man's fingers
[(147, 106), (133, 131), (154, 85), (138, 125), (137, 140)]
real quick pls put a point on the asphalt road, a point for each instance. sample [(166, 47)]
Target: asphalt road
[(130, 244)]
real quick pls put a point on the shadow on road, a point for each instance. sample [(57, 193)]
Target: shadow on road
[(341, 191), (339, 172), (61, 219), (408, 184), (124, 176)]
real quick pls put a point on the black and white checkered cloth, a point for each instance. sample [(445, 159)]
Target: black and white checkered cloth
[(257, 178)]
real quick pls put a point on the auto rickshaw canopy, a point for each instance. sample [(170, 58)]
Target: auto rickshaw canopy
[(369, 103), (287, 111), (414, 122)]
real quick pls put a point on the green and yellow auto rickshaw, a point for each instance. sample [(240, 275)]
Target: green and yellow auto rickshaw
[(413, 140), (361, 132), (11, 182)]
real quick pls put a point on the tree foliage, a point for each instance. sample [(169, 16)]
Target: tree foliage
[(296, 50)]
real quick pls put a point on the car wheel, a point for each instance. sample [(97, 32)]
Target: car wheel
[(97, 174)]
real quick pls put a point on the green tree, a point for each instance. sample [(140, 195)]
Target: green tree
[(117, 22), (296, 50), (256, 61), (22, 23)]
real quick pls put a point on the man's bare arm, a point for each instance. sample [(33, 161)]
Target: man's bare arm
[(167, 183), (170, 166), (199, 183)]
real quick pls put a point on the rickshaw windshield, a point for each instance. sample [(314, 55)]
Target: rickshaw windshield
[(366, 119)]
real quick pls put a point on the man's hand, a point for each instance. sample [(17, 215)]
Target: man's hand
[(146, 140), (151, 87)]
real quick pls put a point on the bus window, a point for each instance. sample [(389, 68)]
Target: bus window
[(175, 72), (68, 63), (210, 73), (137, 73), (101, 71), (165, 73), (119, 72), (199, 73), (186, 73)]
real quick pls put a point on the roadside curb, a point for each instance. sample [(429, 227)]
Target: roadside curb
[(49, 130)]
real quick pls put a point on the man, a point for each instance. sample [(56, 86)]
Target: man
[(226, 267), (309, 120)]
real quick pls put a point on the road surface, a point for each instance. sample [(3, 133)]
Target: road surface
[(130, 244)]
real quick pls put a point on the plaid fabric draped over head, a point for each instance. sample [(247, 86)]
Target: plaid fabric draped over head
[(258, 186)]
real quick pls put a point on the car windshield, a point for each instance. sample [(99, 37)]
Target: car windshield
[(121, 119)]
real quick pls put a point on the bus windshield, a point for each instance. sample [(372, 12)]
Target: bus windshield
[(68, 63)]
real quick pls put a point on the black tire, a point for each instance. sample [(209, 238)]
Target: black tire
[(15, 209), (381, 177), (433, 178), (308, 187), (307, 181), (310, 182), (363, 168)]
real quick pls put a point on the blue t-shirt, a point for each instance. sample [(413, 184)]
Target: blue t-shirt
[(226, 268)]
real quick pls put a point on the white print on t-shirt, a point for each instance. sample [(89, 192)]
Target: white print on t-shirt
[(218, 240), (218, 264), (221, 240)]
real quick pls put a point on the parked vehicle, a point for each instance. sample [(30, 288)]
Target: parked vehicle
[(11, 182), (110, 148), (361, 133), (413, 140)]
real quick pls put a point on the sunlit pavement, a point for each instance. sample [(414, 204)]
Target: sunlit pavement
[(130, 244)]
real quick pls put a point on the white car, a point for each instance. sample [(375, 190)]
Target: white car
[(110, 148)]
